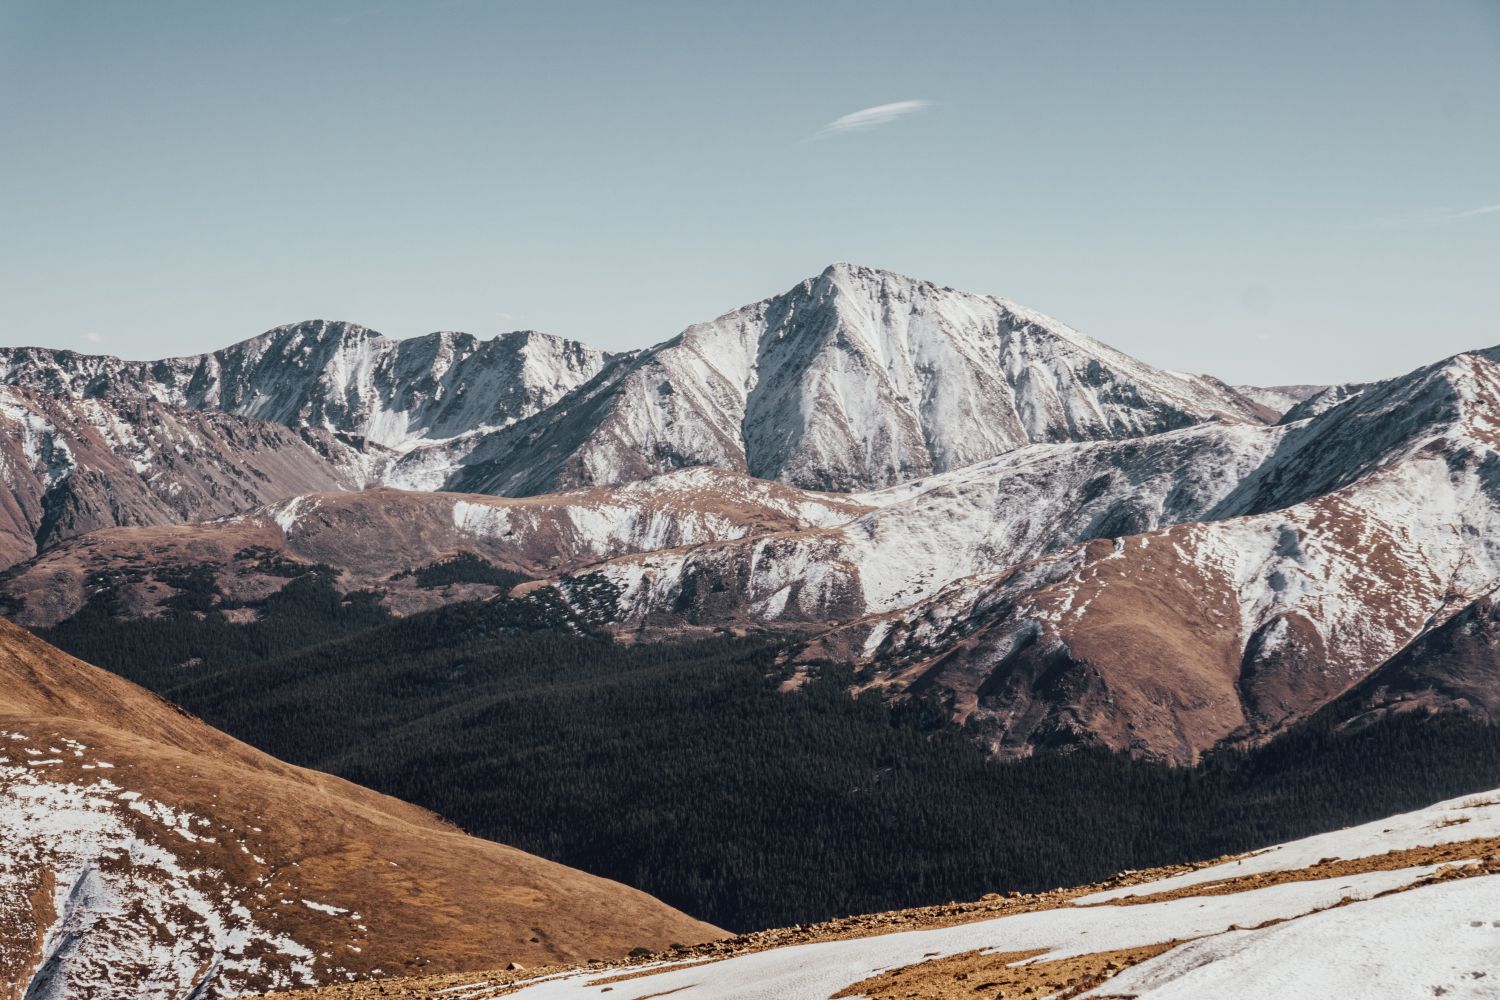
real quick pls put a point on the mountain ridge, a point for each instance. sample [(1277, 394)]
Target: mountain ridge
[(855, 378)]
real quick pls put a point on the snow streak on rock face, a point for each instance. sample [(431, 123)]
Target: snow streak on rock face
[(854, 379)]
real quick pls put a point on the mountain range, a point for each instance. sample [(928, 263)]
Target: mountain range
[(856, 379), (971, 499), (942, 503)]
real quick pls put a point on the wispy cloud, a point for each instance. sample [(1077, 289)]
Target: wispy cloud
[(867, 118), (1475, 212), (93, 338), (1434, 217)]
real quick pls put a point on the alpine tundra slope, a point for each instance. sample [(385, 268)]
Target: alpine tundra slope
[(1403, 907), (145, 854)]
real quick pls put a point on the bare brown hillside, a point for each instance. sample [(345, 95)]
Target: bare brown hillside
[(143, 848)]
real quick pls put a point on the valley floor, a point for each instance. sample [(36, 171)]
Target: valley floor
[(1403, 907)]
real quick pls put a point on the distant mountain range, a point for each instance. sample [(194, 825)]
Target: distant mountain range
[(1020, 502), (855, 379), (960, 503)]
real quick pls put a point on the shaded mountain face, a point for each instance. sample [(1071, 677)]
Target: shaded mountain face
[(74, 465), (855, 379), (1455, 667), (144, 853)]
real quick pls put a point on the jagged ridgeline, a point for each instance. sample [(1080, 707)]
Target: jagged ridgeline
[(851, 380)]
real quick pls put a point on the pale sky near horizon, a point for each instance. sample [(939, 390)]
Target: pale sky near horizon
[(1271, 192)]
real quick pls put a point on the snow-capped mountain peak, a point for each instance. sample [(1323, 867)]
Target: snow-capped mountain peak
[(853, 379)]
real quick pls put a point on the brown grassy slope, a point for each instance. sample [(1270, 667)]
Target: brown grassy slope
[(429, 897)]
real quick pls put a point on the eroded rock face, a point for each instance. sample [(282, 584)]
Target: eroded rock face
[(74, 465), (336, 377)]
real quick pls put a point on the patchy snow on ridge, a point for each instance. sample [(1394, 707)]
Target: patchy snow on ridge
[(925, 534), (818, 971), (127, 909), (1453, 821)]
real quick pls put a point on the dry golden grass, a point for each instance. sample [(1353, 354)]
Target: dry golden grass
[(420, 895)]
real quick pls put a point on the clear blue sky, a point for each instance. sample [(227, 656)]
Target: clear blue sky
[(1271, 192)]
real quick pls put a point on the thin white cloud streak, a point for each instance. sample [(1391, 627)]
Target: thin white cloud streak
[(867, 118), (93, 338), (1433, 217)]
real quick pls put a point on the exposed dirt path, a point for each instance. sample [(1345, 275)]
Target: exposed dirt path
[(1000, 975)]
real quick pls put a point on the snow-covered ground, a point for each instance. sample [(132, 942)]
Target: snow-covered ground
[(1471, 817), (129, 903), (1356, 935), (1437, 941)]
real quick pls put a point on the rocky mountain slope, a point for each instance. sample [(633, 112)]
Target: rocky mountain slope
[(920, 537), (1159, 596), (337, 377), (855, 379), (143, 853), (1401, 907), (73, 465), (379, 540), (1451, 667)]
